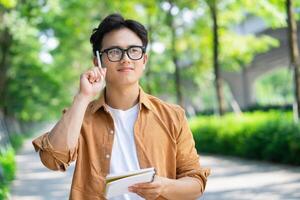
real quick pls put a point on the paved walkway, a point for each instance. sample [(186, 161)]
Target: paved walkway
[(231, 179), (237, 179)]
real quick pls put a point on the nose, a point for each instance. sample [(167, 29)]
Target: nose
[(125, 57)]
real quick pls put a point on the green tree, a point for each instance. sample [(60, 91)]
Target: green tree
[(294, 53), (218, 80), (40, 65)]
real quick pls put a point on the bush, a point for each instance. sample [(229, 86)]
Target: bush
[(8, 169), (8, 163), (271, 136)]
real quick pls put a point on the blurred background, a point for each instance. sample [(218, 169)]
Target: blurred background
[(231, 64)]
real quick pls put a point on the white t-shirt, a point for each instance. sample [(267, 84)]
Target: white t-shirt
[(124, 156)]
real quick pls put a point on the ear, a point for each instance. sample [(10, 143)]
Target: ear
[(145, 59)]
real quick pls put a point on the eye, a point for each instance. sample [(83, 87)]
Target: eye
[(115, 52), (135, 50)]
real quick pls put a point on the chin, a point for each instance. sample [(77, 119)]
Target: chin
[(123, 82)]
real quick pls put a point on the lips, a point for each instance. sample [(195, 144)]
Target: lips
[(126, 69)]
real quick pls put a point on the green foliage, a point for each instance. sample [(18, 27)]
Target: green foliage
[(16, 141), (8, 3), (275, 88), (271, 136), (38, 89), (8, 167), (243, 49), (29, 88), (7, 161)]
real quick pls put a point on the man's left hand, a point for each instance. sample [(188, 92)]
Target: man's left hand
[(151, 190)]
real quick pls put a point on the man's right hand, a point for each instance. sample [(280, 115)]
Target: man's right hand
[(92, 82)]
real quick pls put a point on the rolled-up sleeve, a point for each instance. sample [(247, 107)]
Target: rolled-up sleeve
[(51, 158), (187, 160)]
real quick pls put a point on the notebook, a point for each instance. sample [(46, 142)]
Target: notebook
[(117, 184)]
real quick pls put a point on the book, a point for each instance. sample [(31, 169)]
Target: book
[(117, 184)]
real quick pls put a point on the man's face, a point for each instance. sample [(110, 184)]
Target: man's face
[(126, 71)]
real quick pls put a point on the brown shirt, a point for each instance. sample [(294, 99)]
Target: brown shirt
[(162, 136)]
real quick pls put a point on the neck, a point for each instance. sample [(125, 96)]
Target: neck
[(122, 98)]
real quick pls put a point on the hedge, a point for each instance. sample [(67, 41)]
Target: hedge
[(8, 163), (8, 170), (271, 136)]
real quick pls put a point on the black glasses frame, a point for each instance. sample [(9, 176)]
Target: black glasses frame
[(123, 51)]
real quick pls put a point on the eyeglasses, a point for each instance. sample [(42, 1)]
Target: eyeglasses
[(115, 54)]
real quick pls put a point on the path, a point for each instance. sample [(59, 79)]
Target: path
[(231, 179)]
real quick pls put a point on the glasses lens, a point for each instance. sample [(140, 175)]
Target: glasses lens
[(114, 54), (135, 53)]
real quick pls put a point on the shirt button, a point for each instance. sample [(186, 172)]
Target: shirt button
[(111, 132), (107, 156)]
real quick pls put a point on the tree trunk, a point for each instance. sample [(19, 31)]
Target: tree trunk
[(218, 80), (177, 77), (294, 55), (5, 43), (178, 82), (148, 72)]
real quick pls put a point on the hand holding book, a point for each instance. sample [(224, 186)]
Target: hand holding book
[(117, 184)]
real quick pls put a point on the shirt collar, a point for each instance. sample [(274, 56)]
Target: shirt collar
[(100, 102)]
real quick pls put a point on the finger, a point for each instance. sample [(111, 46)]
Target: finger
[(102, 78), (151, 197), (140, 194), (148, 191), (89, 75), (103, 72), (147, 194), (97, 73), (99, 65), (146, 185), (94, 76)]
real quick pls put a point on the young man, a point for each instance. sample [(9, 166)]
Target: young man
[(125, 129)]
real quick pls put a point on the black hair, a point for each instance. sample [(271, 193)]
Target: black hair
[(116, 22)]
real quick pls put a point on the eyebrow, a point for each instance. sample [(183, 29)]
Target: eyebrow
[(115, 46)]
